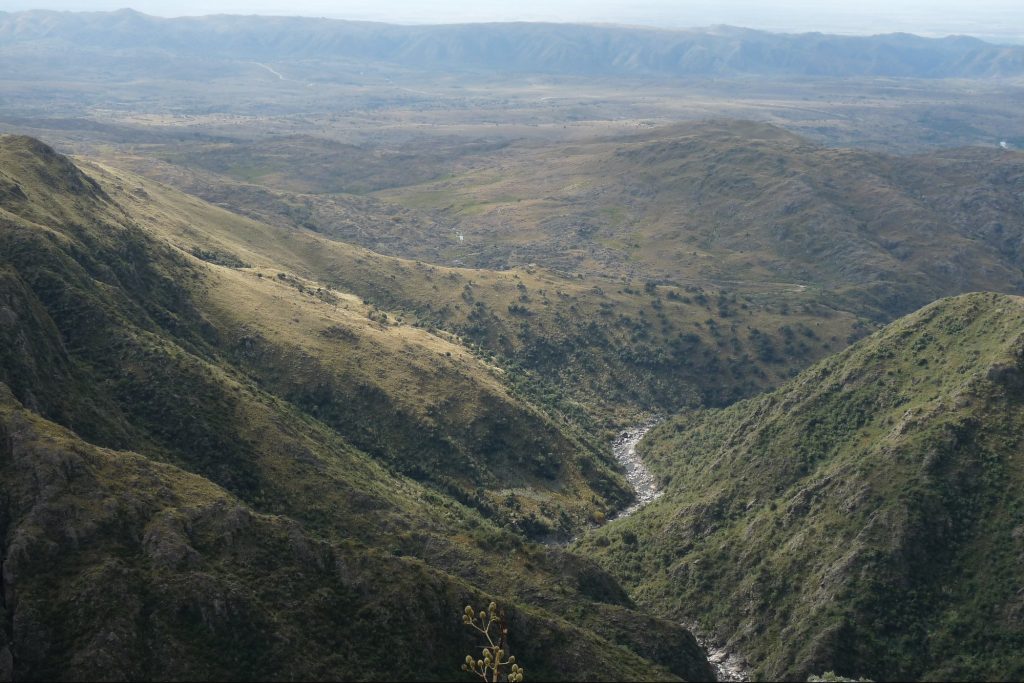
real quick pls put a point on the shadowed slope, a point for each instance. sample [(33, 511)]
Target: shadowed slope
[(140, 320)]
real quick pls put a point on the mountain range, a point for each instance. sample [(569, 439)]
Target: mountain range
[(193, 46)]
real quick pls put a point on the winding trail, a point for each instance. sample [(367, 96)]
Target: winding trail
[(271, 70), (728, 666)]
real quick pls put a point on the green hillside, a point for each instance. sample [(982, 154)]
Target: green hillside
[(865, 518), (174, 490), (579, 342)]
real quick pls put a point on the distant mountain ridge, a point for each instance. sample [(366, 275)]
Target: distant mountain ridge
[(563, 49)]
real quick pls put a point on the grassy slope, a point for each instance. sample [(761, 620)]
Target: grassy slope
[(751, 205), (613, 345), (120, 336), (865, 518)]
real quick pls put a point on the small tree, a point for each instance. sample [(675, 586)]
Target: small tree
[(491, 668)]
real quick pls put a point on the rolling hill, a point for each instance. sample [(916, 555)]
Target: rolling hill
[(748, 206), (580, 344)]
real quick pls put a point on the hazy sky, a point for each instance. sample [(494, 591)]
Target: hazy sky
[(987, 18)]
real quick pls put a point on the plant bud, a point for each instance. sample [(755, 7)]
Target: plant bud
[(512, 660), (492, 607), (469, 660)]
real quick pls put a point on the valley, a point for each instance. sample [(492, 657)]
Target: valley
[(698, 352)]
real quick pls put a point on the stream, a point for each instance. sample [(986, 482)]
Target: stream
[(727, 666)]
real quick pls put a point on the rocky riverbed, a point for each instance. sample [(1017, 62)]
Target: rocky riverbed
[(728, 666), (637, 474)]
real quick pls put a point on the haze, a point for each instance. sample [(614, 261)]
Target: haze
[(1000, 20)]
